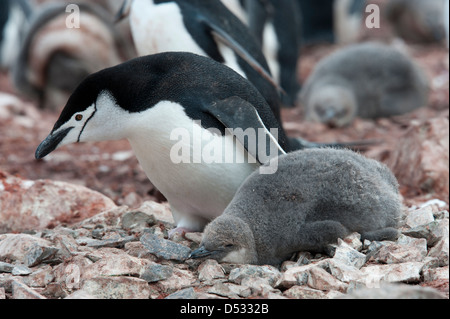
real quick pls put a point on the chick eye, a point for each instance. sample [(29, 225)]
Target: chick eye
[(229, 246), (78, 117)]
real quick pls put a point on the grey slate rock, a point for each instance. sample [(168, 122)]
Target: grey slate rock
[(156, 272), (165, 249)]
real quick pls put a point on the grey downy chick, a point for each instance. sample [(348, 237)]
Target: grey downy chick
[(315, 197), (369, 80)]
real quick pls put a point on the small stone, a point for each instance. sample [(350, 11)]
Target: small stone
[(116, 242), (22, 291), (165, 249), (423, 231), (2, 293), (295, 276), (272, 274), (349, 256), (433, 274), (5, 267), (156, 272), (441, 252), (230, 290), (138, 220), (302, 292), (179, 280), (354, 241), (114, 262), (21, 270), (194, 237), (188, 293), (304, 258), (39, 278), (420, 217), (38, 254), (80, 294), (117, 288), (321, 280), (406, 249), (209, 270), (15, 247), (443, 214), (343, 272), (409, 272)]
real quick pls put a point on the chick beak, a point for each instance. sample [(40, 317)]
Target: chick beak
[(202, 252), (51, 143)]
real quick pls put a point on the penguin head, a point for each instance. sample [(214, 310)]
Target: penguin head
[(90, 115), (227, 239), (332, 105)]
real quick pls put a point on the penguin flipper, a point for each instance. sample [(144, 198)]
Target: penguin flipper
[(238, 115), (228, 40)]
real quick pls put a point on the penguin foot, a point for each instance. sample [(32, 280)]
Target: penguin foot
[(180, 231)]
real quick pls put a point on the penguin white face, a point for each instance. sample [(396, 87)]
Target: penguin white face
[(100, 121), (335, 106)]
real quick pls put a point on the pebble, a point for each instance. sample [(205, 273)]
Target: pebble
[(165, 249)]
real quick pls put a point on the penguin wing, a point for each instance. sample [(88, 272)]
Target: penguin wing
[(244, 122), (223, 36)]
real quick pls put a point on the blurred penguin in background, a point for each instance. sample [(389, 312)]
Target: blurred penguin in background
[(277, 26), (331, 21), (368, 80), (419, 21), (14, 19), (55, 57)]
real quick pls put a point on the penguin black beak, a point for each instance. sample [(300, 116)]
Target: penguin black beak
[(123, 12), (202, 252), (51, 143)]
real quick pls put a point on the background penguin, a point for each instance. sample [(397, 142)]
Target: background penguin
[(331, 20), (368, 80), (204, 27), (418, 21), (14, 19), (315, 197), (277, 26), (147, 101), (52, 51)]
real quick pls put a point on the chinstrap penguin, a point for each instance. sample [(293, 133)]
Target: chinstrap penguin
[(54, 58), (315, 197), (277, 26), (14, 20), (368, 80), (418, 21), (152, 99), (331, 21), (203, 27)]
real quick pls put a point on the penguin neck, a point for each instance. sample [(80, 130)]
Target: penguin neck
[(187, 185)]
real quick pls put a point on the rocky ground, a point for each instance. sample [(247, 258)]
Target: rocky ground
[(86, 222)]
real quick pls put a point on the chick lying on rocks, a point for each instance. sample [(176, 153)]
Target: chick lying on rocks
[(368, 80), (315, 197)]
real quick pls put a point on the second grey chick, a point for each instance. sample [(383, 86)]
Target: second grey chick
[(369, 80), (315, 197)]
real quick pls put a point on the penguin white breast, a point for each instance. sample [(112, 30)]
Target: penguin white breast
[(194, 186), (160, 28), (270, 48)]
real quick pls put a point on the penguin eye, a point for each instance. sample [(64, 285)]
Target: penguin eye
[(78, 117)]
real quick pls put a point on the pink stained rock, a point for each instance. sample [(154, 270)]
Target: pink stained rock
[(420, 160), (38, 205)]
